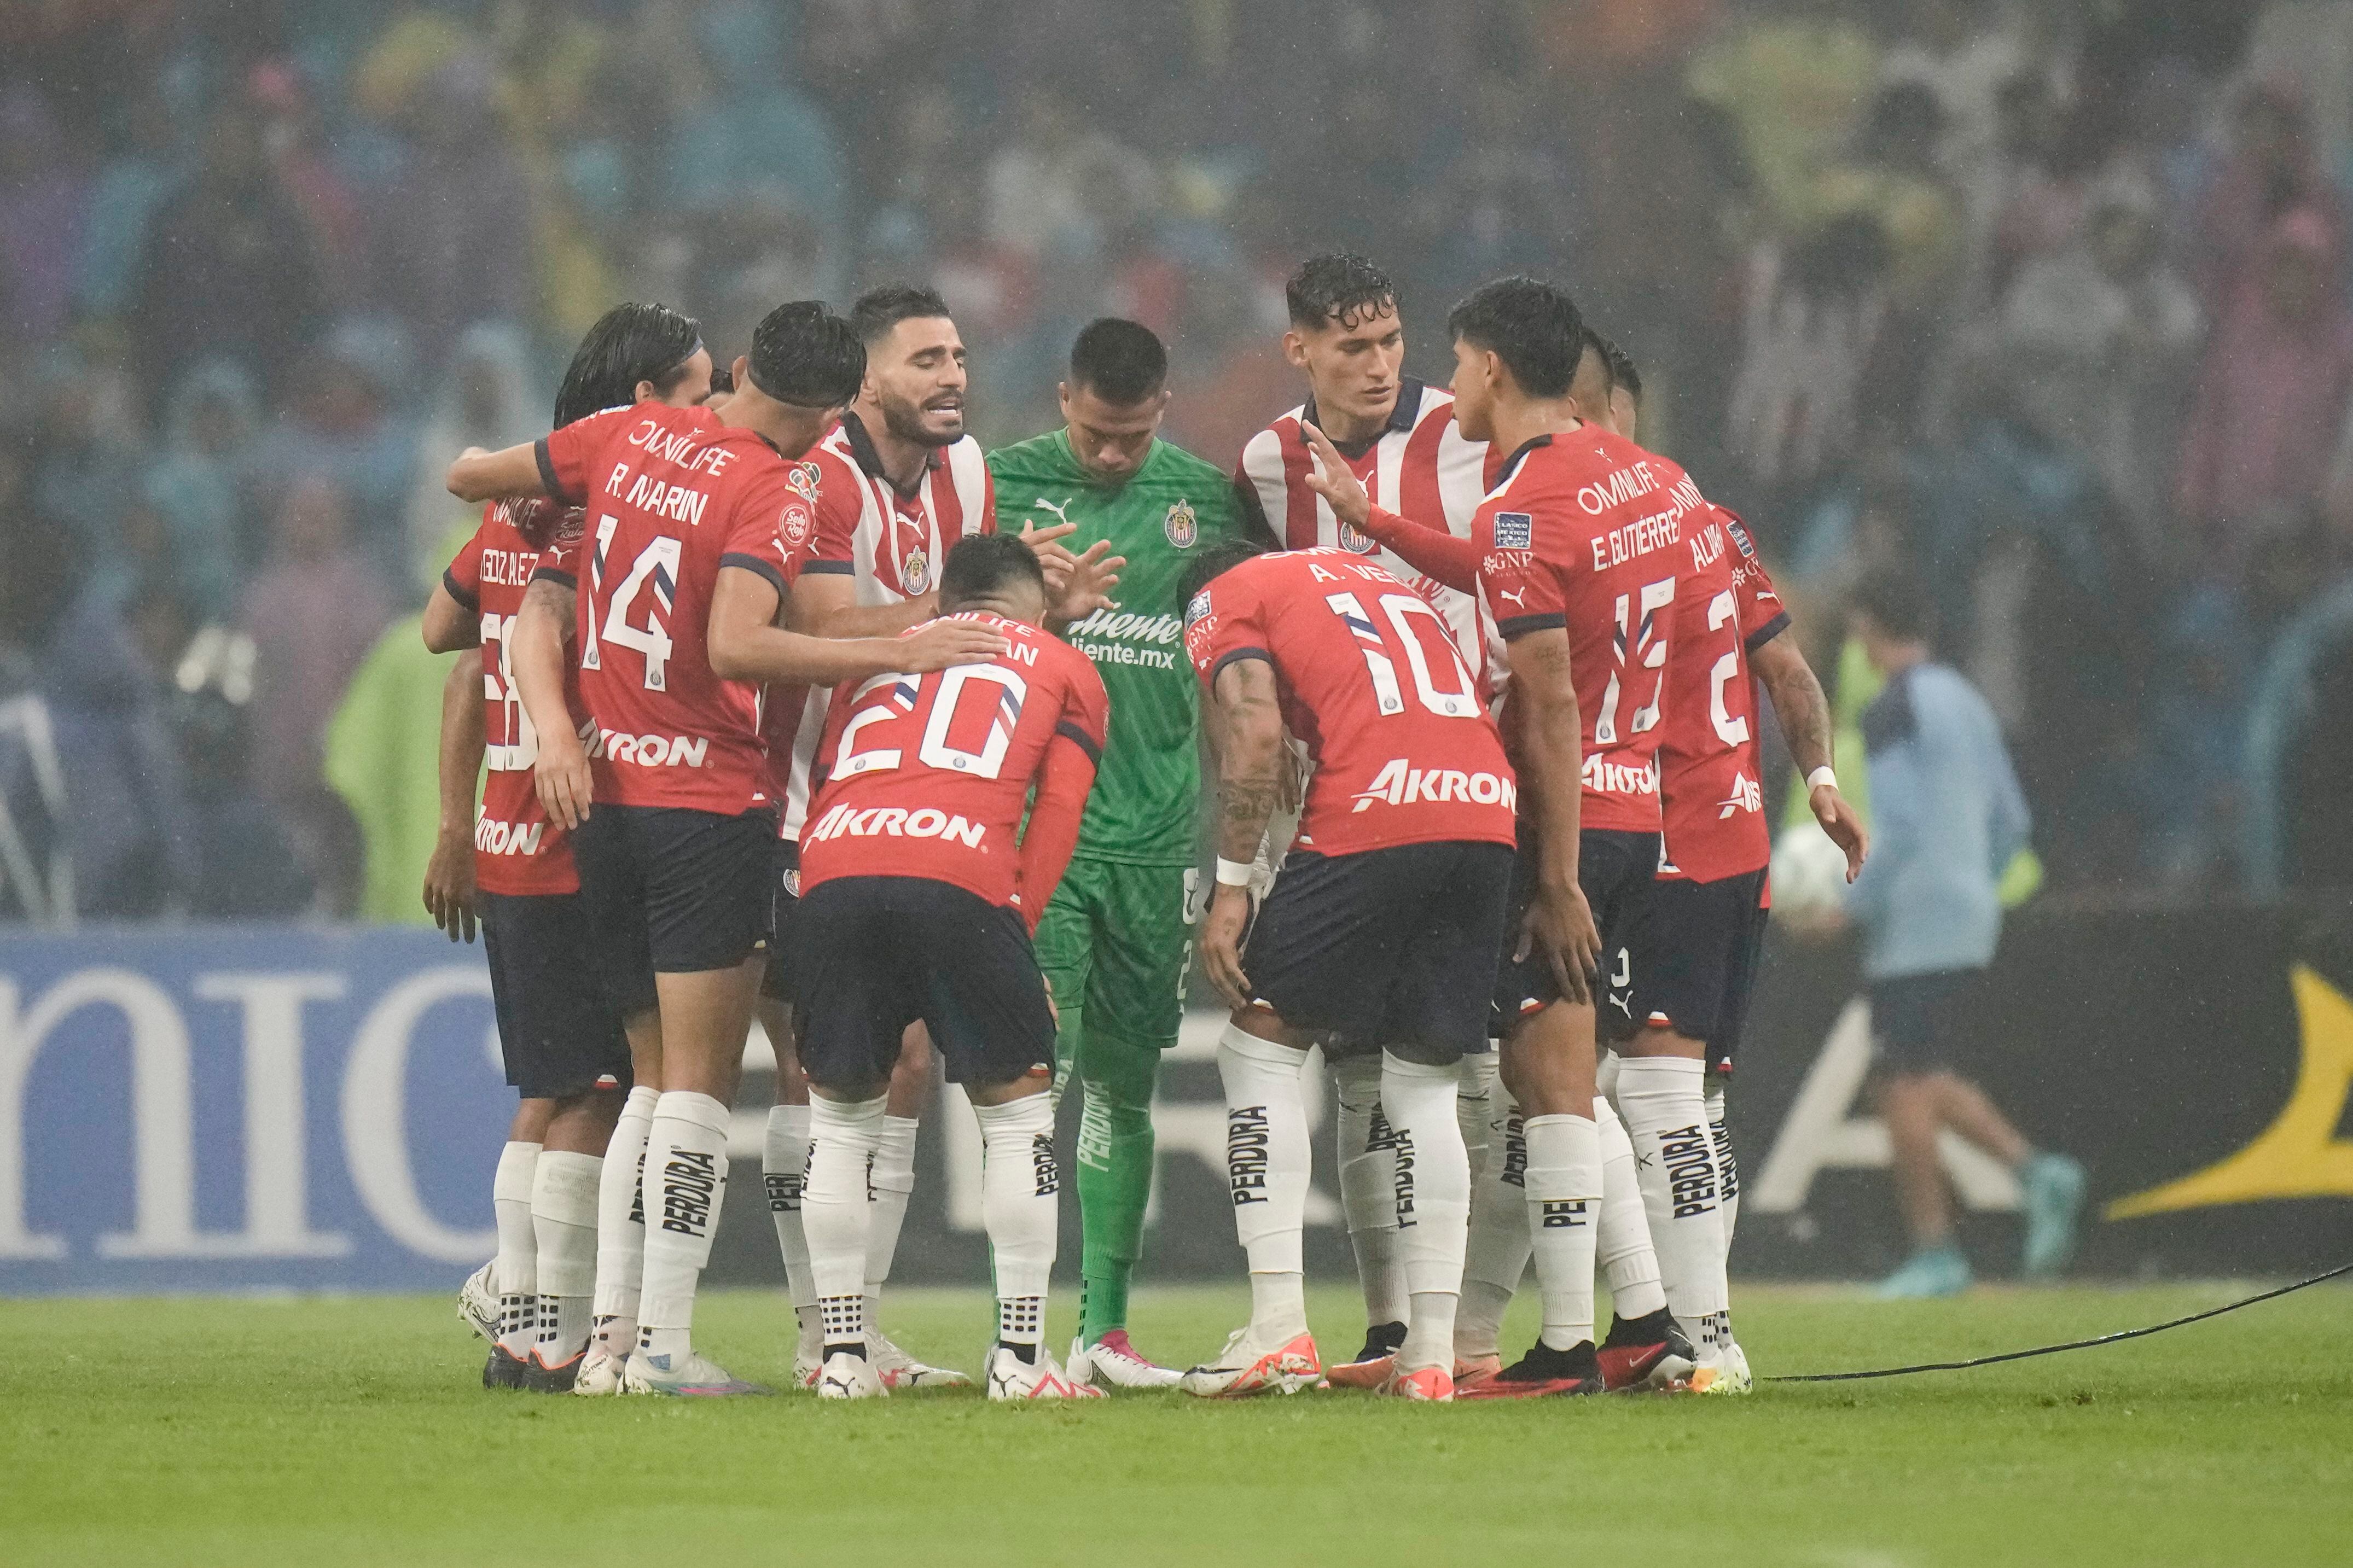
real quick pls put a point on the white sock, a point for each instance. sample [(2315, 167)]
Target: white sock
[(834, 1211), (1433, 1203), (784, 1166), (1622, 1244), (1496, 1257), (686, 1182), (517, 1271), (1564, 1184), (564, 1223), (621, 1223), (1267, 1172), (1368, 1160), (889, 1181), (1675, 1162), (1020, 1197), (1474, 1103), (1727, 1170)]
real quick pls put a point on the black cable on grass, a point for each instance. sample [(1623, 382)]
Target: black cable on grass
[(2054, 1350)]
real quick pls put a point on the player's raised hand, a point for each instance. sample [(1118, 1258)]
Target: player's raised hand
[(449, 895), (563, 780), (1839, 820), (1221, 944), (1330, 479), (1086, 586), (1559, 925), (944, 643)]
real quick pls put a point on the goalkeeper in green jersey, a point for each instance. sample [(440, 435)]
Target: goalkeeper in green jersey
[(1115, 942)]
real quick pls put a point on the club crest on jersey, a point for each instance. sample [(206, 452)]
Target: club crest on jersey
[(794, 524), (916, 575), (1354, 539), (1515, 531), (803, 477), (1181, 525)]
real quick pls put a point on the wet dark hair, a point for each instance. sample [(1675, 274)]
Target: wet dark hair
[(878, 311), (1898, 603), (1119, 361), (630, 343), (1623, 371), (1533, 327), (1213, 564), (980, 564), (804, 354), (1338, 289)]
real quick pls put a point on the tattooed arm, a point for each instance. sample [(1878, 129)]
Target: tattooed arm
[(1804, 714), (1246, 721)]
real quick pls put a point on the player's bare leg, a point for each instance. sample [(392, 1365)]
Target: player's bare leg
[(620, 1217), (501, 1299), (564, 1199), (1661, 1093), (1548, 1064), (705, 1017), (1020, 1197), (785, 1171), (891, 1184), (1260, 1061)]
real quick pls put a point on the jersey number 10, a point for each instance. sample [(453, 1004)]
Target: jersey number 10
[(1401, 611)]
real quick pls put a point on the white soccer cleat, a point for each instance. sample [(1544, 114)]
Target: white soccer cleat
[(897, 1369), (1011, 1377), (478, 1303), (1722, 1369), (848, 1376), (1249, 1365), (1112, 1361), (808, 1362), (691, 1376), (600, 1371)]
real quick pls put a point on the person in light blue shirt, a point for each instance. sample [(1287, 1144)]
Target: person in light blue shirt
[(1947, 817)]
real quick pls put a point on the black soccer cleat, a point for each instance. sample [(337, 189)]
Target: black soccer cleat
[(1373, 1362), (538, 1377), (503, 1370), (1650, 1351), (1544, 1372)]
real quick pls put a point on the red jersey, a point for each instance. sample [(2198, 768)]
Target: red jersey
[(1711, 788), (1585, 531), (1405, 752), (672, 495), (516, 848), (891, 543), (928, 775), (1419, 466)]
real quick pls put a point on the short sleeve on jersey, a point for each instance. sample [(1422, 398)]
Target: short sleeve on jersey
[(1762, 616), (462, 578), (564, 455), (559, 564), (1522, 592), (755, 538), (1225, 622), (1086, 714), (839, 499)]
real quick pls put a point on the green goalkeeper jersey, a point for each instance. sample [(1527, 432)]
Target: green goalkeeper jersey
[(1146, 795)]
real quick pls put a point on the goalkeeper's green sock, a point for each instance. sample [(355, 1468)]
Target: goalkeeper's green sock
[(1115, 1152)]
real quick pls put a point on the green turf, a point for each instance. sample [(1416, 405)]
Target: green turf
[(353, 1431)]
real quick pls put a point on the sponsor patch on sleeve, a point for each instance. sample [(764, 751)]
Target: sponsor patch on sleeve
[(1515, 531), (1199, 607)]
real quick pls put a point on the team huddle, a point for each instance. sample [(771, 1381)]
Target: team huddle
[(796, 705)]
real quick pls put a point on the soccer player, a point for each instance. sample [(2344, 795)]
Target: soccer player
[(1399, 438), (1115, 942), (559, 1028), (685, 568), (921, 886), (1381, 931)]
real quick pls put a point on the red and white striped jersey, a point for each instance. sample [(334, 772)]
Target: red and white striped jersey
[(890, 543), (1419, 466)]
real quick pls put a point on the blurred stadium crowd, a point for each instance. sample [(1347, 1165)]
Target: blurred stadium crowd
[(2048, 296)]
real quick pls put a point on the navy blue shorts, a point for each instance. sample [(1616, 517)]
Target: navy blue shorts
[(1391, 947), (1687, 961), (784, 897), (1919, 1021), (559, 1025), (673, 891), (1615, 870)]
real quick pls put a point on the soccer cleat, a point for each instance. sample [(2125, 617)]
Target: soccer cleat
[(1650, 1351), (1011, 1377), (538, 1377), (847, 1374), (1470, 1371), (1113, 1361), (503, 1370), (897, 1369), (1929, 1272), (1249, 1365), (1434, 1384), (1722, 1369), (1544, 1372), (1374, 1363), (478, 1303), (808, 1351), (600, 1371), (2053, 1199), (691, 1376)]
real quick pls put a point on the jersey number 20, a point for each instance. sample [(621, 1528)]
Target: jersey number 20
[(1003, 688)]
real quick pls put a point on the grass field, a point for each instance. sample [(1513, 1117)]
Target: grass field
[(353, 1431)]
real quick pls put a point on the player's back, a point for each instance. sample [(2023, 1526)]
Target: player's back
[(1711, 785), (672, 495), (1584, 531), (1373, 685), (928, 775)]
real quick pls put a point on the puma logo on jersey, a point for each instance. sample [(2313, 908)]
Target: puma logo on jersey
[(1399, 783), (1517, 595), (1061, 512), (651, 751), (895, 822)]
